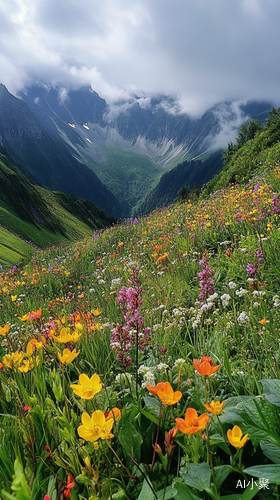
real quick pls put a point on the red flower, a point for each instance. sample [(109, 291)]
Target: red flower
[(70, 484)]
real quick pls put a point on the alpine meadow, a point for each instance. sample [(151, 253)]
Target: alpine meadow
[(142, 361)]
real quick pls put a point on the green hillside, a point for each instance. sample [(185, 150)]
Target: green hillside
[(32, 215), (257, 148)]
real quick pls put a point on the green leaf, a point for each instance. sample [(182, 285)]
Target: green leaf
[(146, 492), (7, 392), (166, 493), (196, 475), (221, 473), (153, 404), (228, 371), (270, 472), (250, 492), (237, 496), (184, 492), (271, 451), (149, 415), (271, 389), (130, 439)]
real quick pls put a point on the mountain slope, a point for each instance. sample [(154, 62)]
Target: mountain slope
[(31, 215), (254, 156), (46, 159), (192, 174)]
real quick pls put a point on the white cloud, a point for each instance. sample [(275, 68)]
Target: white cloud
[(202, 52)]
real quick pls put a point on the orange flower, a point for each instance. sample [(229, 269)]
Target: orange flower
[(115, 414), (154, 390), (192, 422), (205, 366), (215, 407), (168, 396), (262, 321), (35, 315)]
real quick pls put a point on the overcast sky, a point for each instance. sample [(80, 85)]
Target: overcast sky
[(203, 51)]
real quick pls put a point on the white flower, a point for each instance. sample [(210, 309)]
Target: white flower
[(232, 285), (225, 243), (143, 369), (256, 304), (258, 293), (225, 298), (156, 327), (149, 378), (276, 302), (162, 367), (176, 312), (115, 283), (207, 306), (180, 362), (243, 319), (241, 292), (212, 297)]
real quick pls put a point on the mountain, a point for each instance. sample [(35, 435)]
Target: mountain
[(33, 216), (72, 140), (193, 174), (44, 156)]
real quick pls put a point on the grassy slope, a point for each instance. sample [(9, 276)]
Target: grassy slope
[(39, 216), (253, 158), (126, 172)]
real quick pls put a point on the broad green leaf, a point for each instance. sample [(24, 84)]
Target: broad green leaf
[(271, 451), (130, 439), (221, 473), (251, 491), (153, 404), (184, 492), (196, 475), (146, 493), (236, 496), (167, 493), (149, 415), (270, 472), (271, 389)]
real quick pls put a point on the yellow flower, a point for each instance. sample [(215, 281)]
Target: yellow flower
[(13, 360), (24, 317), (95, 427), (68, 356), (215, 407), (14, 298), (235, 437), (88, 386), (4, 330), (26, 366), (96, 312), (30, 348), (65, 336)]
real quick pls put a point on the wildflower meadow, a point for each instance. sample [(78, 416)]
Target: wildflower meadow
[(143, 363)]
